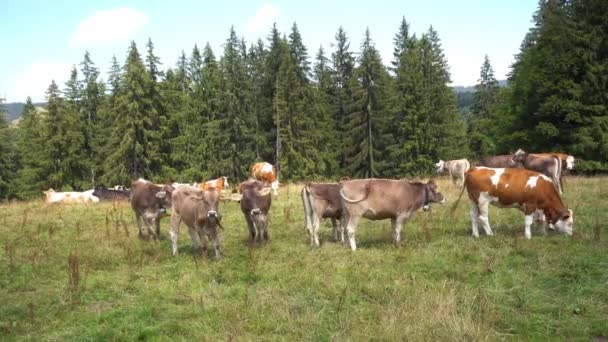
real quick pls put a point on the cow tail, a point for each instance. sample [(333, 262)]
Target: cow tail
[(457, 202)]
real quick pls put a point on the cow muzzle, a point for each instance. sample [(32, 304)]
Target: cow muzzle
[(256, 211), (212, 213)]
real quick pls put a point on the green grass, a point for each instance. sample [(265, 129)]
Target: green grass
[(441, 284)]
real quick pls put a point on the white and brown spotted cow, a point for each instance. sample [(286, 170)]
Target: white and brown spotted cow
[(529, 191), (219, 184), (454, 168), (266, 173)]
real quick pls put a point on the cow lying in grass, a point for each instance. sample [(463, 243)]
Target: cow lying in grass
[(52, 197)]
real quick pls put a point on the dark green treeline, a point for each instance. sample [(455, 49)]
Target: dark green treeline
[(323, 114)]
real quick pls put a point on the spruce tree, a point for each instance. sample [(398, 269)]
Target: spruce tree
[(133, 140), (64, 139), (92, 97), (299, 52), (8, 157), (482, 119), (31, 176), (343, 66), (367, 122)]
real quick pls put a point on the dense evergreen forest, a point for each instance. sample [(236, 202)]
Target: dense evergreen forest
[(320, 115)]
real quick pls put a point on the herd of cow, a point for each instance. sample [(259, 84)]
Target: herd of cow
[(529, 182)]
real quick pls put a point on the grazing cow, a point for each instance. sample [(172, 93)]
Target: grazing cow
[(549, 166), (52, 197), (105, 194), (321, 200), (505, 160), (150, 201), (219, 183), (255, 205), (380, 199), (566, 159), (455, 169), (199, 210), (266, 173), (529, 191)]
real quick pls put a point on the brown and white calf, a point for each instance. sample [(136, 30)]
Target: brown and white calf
[(150, 202), (321, 200), (549, 166), (199, 211), (266, 173), (527, 190), (381, 199), (255, 205), (455, 169)]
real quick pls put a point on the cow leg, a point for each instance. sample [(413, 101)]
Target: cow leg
[(215, 236), (528, 219), (150, 221), (252, 230), (138, 222), (195, 238), (174, 231), (316, 226), (266, 234), (350, 230), (483, 217), (202, 235), (157, 223), (334, 227), (474, 218), (396, 224)]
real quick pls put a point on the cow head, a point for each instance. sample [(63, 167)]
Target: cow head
[(565, 223), (210, 207), (570, 162), (440, 166), (431, 195), (520, 156), (164, 195)]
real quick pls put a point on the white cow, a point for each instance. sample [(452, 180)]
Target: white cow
[(70, 197), (455, 168)]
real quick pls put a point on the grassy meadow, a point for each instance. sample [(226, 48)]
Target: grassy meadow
[(79, 272)]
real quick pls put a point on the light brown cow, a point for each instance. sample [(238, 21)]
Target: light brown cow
[(529, 191), (566, 159), (321, 200), (266, 173), (150, 201), (549, 166), (199, 210), (255, 205), (380, 199), (219, 183)]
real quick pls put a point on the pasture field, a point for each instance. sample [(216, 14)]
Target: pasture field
[(79, 272)]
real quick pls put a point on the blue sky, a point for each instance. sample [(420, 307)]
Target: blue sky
[(42, 39)]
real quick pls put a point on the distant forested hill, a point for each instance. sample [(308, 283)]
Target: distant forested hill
[(14, 109)]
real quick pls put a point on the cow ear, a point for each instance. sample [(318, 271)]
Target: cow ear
[(161, 194), (567, 215)]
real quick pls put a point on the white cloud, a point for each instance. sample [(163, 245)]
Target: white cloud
[(107, 27), (263, 18), (35, 79)]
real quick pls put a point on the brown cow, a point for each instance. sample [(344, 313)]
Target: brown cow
[(549, 166), (199, 210), (219, 183), (266, 173), (505, 160), (380, 199), (255, 205), (529, 191), (566, 159), (150, 201), (321, 200)]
